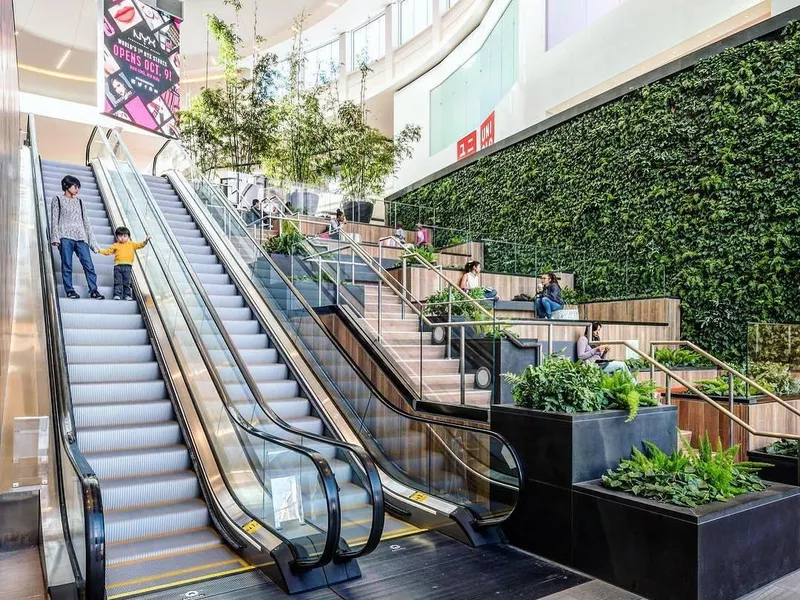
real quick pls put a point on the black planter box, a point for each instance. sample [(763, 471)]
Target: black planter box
[(719, 551), (562, 449), (784, 469), (558, 450)]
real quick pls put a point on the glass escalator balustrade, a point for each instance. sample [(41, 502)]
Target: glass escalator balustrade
[(126, 427), (468, 467), (278, 389)]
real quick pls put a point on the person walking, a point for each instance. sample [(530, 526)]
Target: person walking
[(71, 232), (124, 250)]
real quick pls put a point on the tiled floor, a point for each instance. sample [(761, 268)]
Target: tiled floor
[(24, 569), (787, 588)]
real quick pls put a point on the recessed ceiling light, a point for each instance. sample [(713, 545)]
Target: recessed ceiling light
[(334, 4)]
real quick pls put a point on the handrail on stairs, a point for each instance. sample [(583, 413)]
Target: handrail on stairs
[(716, 405)]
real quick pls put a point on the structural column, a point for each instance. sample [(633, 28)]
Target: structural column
[(388, 59)]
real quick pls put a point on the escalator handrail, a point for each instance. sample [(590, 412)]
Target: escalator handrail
[(61, 399), (315, 317), (364, 460), (324, 470)]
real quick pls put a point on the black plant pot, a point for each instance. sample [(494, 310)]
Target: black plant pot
[(303, 201), (358, 211), (784, 469), (718, 551)]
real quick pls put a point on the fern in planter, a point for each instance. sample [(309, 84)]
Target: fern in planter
[(561, 385), (775, 376), (435, 304), (686, 478), (672, 358), (423, 253), (622, 391), (285, 243)]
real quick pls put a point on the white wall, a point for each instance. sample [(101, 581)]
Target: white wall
[(611, 49)]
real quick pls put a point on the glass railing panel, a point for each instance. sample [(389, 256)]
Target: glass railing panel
[(276, 485), (407, 448)]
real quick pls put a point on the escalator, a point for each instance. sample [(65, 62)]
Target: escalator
[(126, 427), (459, 480), (174, 485), (278, 388)]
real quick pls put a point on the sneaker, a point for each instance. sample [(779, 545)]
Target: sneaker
[(129, 299), (73, 295), (97, 295), (117, 298)]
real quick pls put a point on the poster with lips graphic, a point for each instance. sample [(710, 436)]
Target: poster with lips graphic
[(141, 66)]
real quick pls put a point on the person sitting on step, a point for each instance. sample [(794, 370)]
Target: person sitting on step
[(124, 250), (471, 280), (71, 231), (596, 355), (550, 298)]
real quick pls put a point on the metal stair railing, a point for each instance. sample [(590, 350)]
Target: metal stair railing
[(705, 398), (732, 374)]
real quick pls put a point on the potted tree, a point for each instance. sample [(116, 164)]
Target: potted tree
[(365, 157)]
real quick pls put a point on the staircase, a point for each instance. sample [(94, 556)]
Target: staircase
[(275, 384), (441, 378), (157, 526)]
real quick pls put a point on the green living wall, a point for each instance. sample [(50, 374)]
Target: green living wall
[(695, 176)]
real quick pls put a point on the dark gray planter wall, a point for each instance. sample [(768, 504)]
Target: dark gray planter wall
[(718, 551), (784, 469), (562, 449), (559, 450)]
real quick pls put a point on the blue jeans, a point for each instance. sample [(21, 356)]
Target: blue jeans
[(68, 248), (545, 308)]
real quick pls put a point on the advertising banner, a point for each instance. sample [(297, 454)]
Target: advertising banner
[(141, 66), (467, 146)]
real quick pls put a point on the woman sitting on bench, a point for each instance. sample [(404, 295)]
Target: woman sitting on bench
[(596, 355)]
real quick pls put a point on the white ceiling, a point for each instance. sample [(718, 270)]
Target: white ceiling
[(73, 23)]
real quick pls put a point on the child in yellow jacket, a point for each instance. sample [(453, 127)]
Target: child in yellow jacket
[(124, 251)]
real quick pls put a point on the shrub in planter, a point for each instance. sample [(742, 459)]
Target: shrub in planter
[(672, 358), (775, 376), (423, 253), (435, 304), (783, 448), (561, 385), (686, 478)]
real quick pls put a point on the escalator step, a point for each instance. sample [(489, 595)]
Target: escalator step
[(121, 413), (114, 372), (101, 321), (138, 523), (165, 488), (128, 437), (77, 355), (182, 541), (133, 463), (90, 393), (105, 337)]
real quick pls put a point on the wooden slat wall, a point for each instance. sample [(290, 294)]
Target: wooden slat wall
[(689, 376), (646, 310), (423, 283), (641, 333), (771, 416), (698, 417)]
